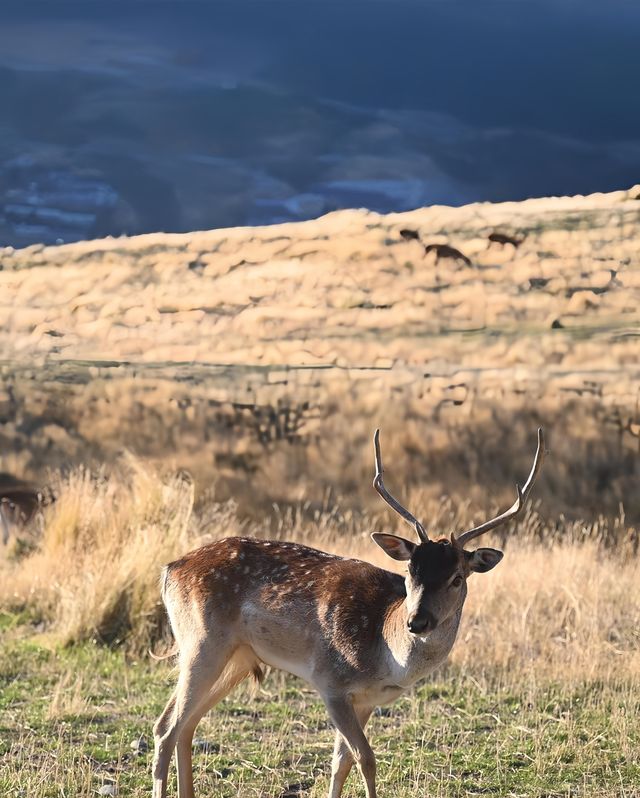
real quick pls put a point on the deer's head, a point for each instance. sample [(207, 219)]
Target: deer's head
[(437, 573)]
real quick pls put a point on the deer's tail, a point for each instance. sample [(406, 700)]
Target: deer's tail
[(174, 648)]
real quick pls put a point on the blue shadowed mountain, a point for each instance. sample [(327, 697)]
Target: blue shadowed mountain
[(173, 116)]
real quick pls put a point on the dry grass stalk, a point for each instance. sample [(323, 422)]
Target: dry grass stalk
[(95, 571), (68, 697)]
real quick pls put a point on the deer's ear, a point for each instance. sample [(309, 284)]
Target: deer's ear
[(482, 560), (394, 546)]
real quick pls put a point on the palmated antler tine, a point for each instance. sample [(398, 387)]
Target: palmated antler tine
[(517, 507), (378, 484)]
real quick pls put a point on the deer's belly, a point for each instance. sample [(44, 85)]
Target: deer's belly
[(290, 664), (279, 640)]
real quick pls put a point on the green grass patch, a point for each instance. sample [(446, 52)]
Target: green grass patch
[(69, 717)]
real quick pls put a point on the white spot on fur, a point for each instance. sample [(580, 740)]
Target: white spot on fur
[(246, 569)]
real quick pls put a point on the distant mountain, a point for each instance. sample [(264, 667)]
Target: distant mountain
[(153, 116)]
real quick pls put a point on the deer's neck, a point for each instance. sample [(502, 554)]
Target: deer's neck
[(413, 656)]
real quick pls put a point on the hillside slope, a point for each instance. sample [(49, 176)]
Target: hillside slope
[(220, 347), (345, 288)]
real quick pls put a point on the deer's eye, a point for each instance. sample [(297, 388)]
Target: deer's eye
[(457, 581)]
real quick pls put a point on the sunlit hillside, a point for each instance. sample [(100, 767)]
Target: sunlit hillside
[(262, 358)]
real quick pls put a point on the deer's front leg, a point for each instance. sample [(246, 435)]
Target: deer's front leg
[(351, 744), (341, 765), (342, 761)]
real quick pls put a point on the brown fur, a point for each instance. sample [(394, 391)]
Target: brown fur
[(503, 238), (292, 580), (20, 497)]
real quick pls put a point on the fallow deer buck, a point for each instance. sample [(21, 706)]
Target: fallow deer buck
[(360, 635)]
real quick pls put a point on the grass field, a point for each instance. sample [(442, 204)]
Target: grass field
[(69, 719), (540, 697), (262, 359)]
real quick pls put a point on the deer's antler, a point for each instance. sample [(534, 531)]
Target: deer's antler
[(516, 508), (378, 484)]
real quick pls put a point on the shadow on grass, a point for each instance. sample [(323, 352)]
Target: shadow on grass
[(295, 790)]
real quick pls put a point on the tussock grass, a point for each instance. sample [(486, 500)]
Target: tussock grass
[(68, 697), (314, 334), (94, 571), (567, 612), (561, 598)]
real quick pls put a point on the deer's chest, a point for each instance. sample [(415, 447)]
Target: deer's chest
[(378, 695), (413, 657)]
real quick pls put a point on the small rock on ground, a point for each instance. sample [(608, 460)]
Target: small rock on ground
[(206, 747), (139, 745)]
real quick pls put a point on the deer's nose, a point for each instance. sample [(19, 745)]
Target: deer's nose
[(424, 622)]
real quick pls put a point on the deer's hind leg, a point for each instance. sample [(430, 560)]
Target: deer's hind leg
[(238, 668), (200, 668)]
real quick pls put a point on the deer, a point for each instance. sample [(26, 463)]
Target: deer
[(503, 239), (439, 250), (409, 235), (359, 634), (446, 251), (19, 502)]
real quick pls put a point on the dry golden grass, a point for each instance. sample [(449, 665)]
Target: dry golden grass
[(68, 697), (555, 611), (559, 603), (344, 289), (94, 570)]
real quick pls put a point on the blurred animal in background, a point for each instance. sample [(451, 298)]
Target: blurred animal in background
[(503, 239), (19, 502), (446, 251), (410, 235), (439, 250)]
